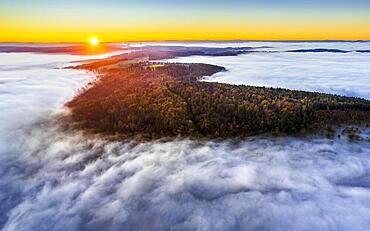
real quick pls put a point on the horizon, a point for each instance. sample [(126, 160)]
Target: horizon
[(205, 41)]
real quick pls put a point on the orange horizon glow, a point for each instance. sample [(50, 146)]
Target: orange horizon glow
[(294, 34), (261, 31), (23, 22)]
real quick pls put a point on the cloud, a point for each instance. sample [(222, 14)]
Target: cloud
[(336, 73), (70, 182), (55, 179)]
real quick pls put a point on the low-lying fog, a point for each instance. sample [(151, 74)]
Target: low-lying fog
[(51, 179), (330, 72)]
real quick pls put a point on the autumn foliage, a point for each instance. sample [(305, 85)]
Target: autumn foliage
[(154, 100)]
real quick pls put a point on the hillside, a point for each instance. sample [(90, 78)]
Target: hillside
[(154, 100)]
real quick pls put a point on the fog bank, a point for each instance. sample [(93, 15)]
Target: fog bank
[(345, 74), (53, 180)]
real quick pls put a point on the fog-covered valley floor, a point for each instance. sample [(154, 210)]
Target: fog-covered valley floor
[(53, 179), (345, 73)]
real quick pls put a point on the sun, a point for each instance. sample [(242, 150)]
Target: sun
[(94, 41)]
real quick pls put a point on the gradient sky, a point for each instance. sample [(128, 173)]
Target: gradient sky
[(113, 20)]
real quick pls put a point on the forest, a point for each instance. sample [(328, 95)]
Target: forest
[(152, 100)]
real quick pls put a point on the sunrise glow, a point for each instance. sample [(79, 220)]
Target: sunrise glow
[(94, 41), (192, 20)]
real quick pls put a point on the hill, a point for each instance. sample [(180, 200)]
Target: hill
[(154, 100)]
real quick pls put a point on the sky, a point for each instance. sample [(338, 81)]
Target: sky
[(141, 20)]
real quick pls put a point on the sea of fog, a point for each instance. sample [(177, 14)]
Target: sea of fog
[(270, 65), (53, 179)]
